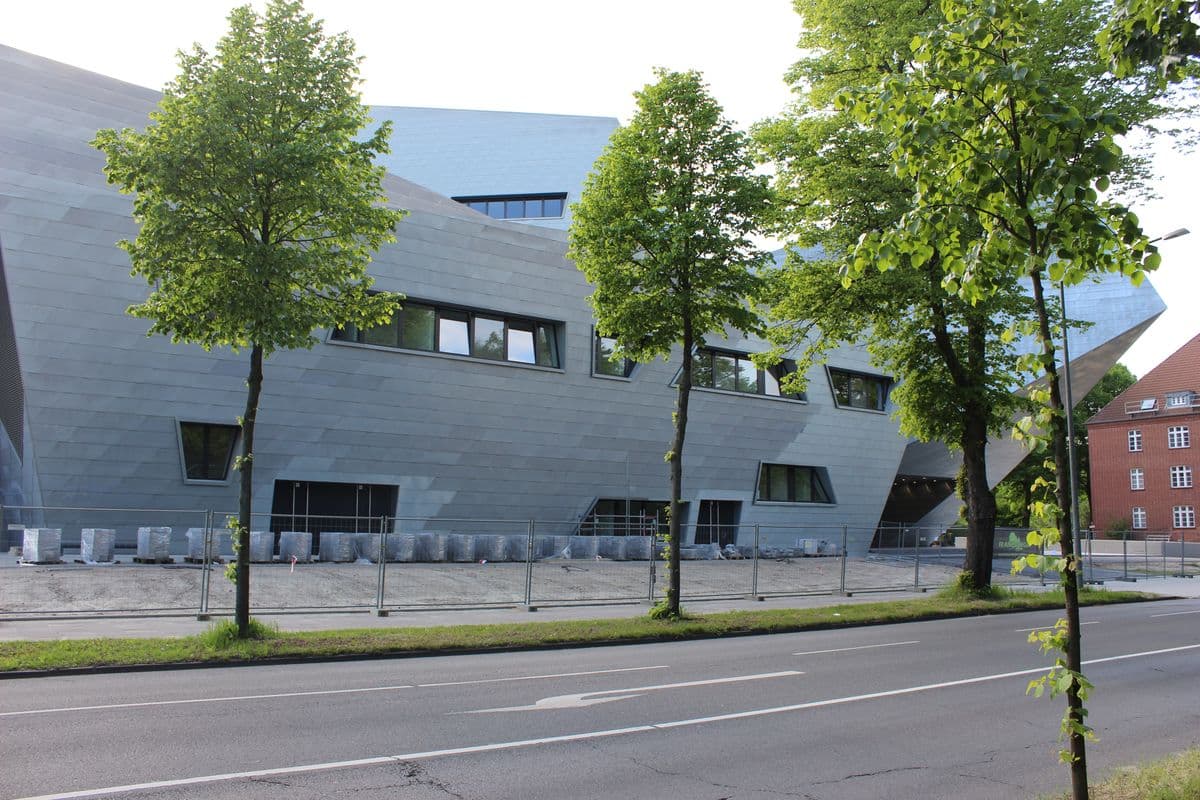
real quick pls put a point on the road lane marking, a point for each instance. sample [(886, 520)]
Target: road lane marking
[(585, 699), (573, 737), (1174, 614), (190, 701), (542, 677), (1051, 627), (848, 649), (195, 700)]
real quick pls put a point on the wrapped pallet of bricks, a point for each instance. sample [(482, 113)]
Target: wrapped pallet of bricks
[(431, 547), (154, 544), (584, 547), (42, 546), (295, 545), (368, 546), (491, 547), (262, 546), (637, 548), (462, 547), (406, 547), (517, 545), (221, 544), (96, 544), (337, 546), (611, 547)]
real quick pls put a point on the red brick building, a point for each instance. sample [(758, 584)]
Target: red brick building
[(1144, 450)]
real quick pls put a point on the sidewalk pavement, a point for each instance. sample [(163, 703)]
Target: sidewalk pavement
[(102, 626)]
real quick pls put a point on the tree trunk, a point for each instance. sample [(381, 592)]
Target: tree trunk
[(253, 390), (981, 502), (675, 458), (1062, 482)]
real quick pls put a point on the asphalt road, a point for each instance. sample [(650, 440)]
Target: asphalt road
[(925, 710)]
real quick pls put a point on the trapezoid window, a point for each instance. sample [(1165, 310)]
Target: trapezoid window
[(729, 371), (463, 332), (207, 450), (859, 390), (606, 362), (790, 483), (517, 206)]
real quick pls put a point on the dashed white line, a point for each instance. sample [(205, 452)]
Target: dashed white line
[(542, 677), (848, 649), (1175, 614)]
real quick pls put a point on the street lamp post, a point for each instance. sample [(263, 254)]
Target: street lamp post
[(1071, 458)]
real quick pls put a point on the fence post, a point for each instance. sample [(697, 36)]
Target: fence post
[(205, 567), (1042, 563), (650, 578), (1182, 548), (754, 566), (1125, 555), (4, 530), (917, 559), (529, 568), (379, 611), (845, 554)]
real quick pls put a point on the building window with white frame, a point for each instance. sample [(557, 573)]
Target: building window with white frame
[(1137, 479), (1138, 518), (1181, 477), (1179, 400), (1135, 441), (1184, 516), (1179, 437)]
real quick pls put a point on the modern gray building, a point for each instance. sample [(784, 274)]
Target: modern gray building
[(489, 397)]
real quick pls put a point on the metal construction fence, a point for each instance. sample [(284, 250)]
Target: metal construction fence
[(133, 561)]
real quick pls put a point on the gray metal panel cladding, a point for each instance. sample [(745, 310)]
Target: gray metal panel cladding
[(12, 388)]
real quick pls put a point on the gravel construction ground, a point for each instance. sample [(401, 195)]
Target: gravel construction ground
[(125, 587)]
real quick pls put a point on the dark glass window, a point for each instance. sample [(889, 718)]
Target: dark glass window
[(207, 449), (605, 362), (736, 372), (787, 483), (608, 517), (858, 390), (419, 326), (518, 206)]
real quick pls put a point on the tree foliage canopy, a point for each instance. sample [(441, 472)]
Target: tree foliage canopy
[(1162, 33), (259, 208)]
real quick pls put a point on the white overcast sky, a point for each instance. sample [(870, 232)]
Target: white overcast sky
[(554, 56)]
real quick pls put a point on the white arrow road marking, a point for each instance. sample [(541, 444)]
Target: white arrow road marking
[(609, 695)]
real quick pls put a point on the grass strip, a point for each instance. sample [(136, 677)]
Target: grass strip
[(1175, 777), (218, 647)]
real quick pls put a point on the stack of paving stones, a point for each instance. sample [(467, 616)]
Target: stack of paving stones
[(96, 545), (42, 546), (262, 547), (338, 546), (222, 545), (295, 545)]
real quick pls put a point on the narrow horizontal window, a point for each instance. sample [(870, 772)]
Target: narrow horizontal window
[(1179, 399), (737, 372), (464, 332), (517, 206), (789, 483), (859, 390), (207, 450)]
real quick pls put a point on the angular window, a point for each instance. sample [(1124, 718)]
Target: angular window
[(788, 483), (736, 372), (1137, 479), (207, 450), (859, 390), (611, 516), (1181, 477), (1138, 518), (1184, 516), (518, 206), (1135, 441), (605, 361), (464, 332), (1178, 436)]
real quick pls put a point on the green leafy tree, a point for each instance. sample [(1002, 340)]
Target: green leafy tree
[(662, 232), (1161, 33), (979, 127), (258, 206), (1022, 487)]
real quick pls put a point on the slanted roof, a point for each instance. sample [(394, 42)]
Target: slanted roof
[(1179, 372)]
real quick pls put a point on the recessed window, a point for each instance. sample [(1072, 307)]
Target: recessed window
[(1135, 441), (1178, 437), (1184, 516), (518, 206), (1138, 518), (616, 516), (859, 390), (606, 362), (1181, 477), (464, 332), (207, 450), (1179, 399), (789, 483), (736, 372), (1137, 479)]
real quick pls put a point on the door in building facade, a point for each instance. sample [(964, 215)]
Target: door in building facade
[(717, 522)]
